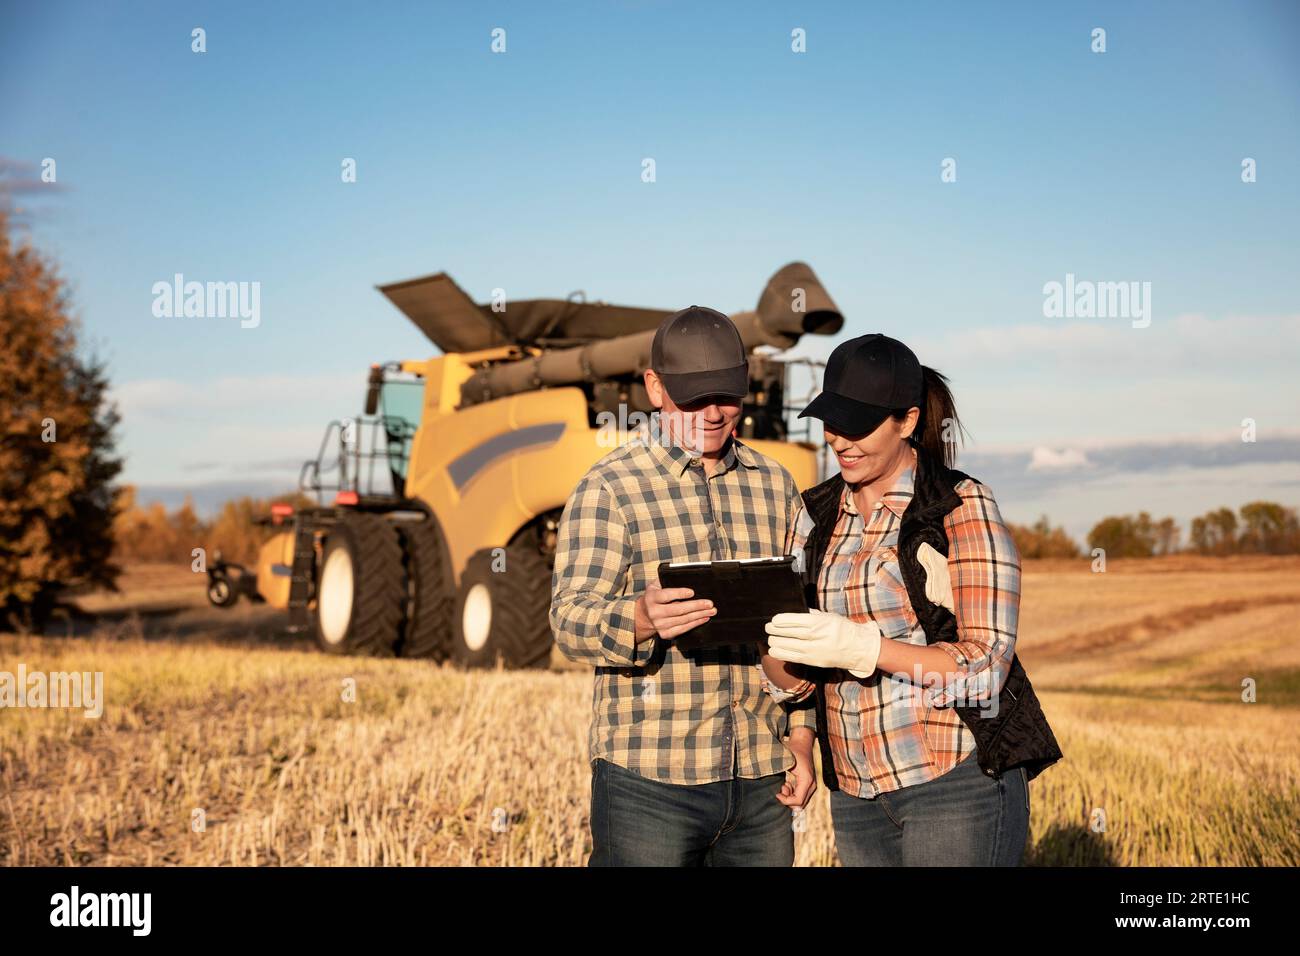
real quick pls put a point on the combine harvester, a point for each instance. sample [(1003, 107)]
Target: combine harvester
[(462, 464)]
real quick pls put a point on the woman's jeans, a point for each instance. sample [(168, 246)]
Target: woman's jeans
[(964, 818), (636, 821)]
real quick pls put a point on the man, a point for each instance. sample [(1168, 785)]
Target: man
[(689, 766)]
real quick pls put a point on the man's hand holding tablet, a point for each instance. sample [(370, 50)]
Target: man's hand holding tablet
[(668, 613), (746, 593)]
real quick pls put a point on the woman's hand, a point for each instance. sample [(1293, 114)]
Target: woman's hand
[(801, 780), (820, 639)]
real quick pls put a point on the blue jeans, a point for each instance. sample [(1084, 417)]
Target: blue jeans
[(636, 821), (964, 818)]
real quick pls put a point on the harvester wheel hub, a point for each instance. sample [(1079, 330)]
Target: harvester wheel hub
[(336, 596), (476, 620)]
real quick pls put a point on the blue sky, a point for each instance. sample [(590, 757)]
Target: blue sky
[(522, 171)]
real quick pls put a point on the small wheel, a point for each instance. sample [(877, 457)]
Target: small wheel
[(503, 610), (220, 593)]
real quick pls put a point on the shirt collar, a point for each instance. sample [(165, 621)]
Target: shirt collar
[(677, 459), (896, 499), (743, 452)]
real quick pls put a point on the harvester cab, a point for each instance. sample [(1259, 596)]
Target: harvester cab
[(367, 456), (437, 509)]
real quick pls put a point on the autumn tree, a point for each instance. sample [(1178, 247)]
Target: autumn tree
[(1166, 535), (234, 534), (1043, 541), (1125, 536), (1215, 532), (57, 460), (1269, 527), (152, 533)]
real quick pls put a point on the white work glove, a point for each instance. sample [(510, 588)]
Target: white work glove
[(820, 639), (938, 586)]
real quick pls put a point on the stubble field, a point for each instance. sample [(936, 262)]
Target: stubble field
[(215, 718)]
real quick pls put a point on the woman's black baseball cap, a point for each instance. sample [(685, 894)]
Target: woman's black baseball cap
[(867, 380)]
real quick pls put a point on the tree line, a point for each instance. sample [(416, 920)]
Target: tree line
[(152, 533), (1259, 527)]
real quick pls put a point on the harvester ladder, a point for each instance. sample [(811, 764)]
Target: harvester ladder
[(304, 562)]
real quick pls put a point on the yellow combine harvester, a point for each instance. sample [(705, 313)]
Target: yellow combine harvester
[(439, 536)]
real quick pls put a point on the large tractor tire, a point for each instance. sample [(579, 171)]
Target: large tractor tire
[(361, 597), (431, 596), (504, 615)]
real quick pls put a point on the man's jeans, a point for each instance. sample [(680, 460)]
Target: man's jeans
[(636, 821), (964, 818)]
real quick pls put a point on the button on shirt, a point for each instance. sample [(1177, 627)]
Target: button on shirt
[(681, 718), (886, 732)]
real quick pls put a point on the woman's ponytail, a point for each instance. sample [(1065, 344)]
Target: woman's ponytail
[(939, 429)]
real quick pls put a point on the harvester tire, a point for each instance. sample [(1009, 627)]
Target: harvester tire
[(431, 597), (361, 595), (503, 615)]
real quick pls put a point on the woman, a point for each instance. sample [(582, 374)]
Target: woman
[(929, 729)]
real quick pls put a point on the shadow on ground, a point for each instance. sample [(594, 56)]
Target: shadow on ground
[(246, 625), (1069, 845)]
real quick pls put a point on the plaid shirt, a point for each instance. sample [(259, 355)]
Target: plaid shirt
[(887, 732), (672, 717)]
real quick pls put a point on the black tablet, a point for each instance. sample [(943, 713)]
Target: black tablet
[(747, 594)]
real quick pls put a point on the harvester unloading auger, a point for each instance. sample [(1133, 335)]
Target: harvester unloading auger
[(439, 537)]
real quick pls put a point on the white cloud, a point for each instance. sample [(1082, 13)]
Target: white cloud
[(1074, 384), (167, 395), (1232, 346), (1049, 459), (1178, 491), (1085, 444), (231, 427), (1190, 344)]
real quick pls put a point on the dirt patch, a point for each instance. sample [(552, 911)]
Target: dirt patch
[(1152, 626)]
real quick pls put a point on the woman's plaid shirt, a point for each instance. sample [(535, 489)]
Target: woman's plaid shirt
[(886, 733), (678, 718)]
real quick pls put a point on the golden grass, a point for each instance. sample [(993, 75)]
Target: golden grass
[(434, 766)]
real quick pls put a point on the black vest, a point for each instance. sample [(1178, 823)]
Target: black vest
[(1018, 734)]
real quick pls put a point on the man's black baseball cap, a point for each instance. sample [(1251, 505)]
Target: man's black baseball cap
[(699, 352), (867, 380)]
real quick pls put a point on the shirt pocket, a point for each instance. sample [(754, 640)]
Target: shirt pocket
[(890, 606)]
